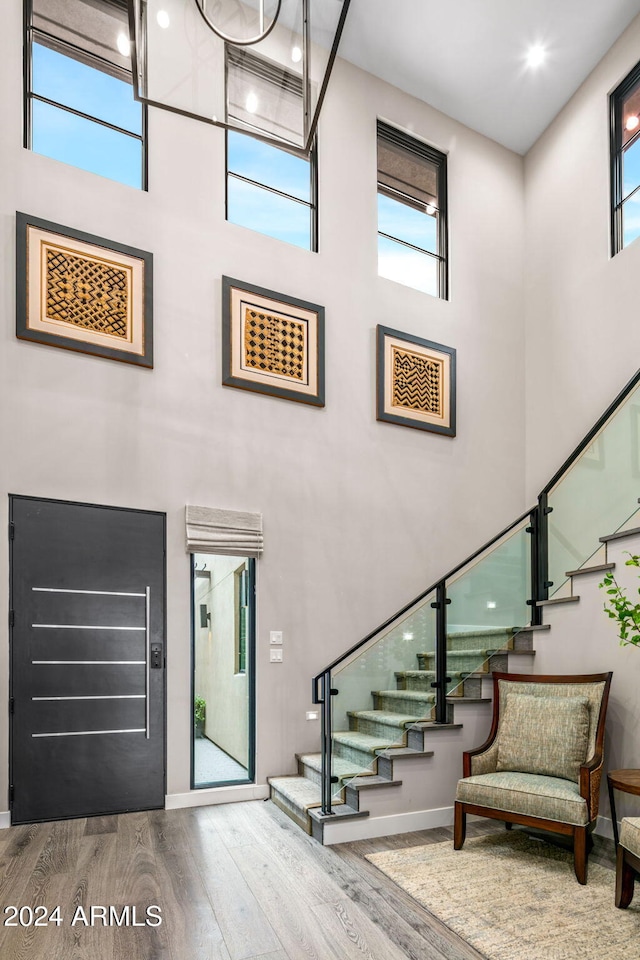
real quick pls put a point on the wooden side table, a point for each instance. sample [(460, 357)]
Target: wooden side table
[(627, 781)]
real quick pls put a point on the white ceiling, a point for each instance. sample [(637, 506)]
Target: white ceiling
[(467, 57)]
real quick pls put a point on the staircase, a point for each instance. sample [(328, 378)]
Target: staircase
[(386, 735), (397, 735)]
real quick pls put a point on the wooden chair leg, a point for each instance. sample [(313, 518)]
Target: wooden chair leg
[(459, 826), (625, 877), (507, 825), (580, 853)]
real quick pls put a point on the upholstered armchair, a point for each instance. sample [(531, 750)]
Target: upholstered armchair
[(542, 763), (628, 863)]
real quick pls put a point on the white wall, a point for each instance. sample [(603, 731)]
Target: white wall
[(583, 337), (359, 516)]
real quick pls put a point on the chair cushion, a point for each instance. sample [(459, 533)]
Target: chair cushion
[(630, 835), (544, 735), (551, 798)]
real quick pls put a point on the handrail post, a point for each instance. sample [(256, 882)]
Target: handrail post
[(325, 734), (440, 606), (540, 582)]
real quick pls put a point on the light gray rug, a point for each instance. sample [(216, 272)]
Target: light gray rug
[(513, 898)]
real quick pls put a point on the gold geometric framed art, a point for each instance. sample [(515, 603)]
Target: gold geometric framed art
[(82, 292), (272, 344), (416, 382)]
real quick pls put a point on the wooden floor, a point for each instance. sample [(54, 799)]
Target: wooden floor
[(234, 882)]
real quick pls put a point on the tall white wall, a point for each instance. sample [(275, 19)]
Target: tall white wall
[(583, 338), (582, 346), (359, 516)]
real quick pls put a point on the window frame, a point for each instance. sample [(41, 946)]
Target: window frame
[(312, 204), (616, 101), (32, 34), (241, 591), (412, 145)]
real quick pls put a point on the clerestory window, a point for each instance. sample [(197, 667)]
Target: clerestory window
[(79, 103), (412, 212), (625, 162)]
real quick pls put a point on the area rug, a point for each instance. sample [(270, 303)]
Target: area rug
[(513, 898)]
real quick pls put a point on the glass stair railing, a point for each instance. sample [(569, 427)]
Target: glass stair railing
[(381, 695)]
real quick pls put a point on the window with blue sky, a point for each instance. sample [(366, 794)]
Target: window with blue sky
[(625, 167), (412, 244), (271, 190), (81, 108)]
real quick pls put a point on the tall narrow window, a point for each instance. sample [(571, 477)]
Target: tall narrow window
[(412, 212), (79, 103), (223, 742), (625, 162)]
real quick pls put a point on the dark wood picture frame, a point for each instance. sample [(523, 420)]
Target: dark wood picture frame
[(136, 264), (408, 412), (298, 373)]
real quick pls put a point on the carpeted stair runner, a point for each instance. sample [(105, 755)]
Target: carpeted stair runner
[(384, 730)]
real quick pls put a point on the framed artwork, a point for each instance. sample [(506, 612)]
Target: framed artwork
[(416, 382), (272, 343), (82, 292)]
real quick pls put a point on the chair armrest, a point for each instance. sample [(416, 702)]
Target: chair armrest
[(590, 778), (483, 759)]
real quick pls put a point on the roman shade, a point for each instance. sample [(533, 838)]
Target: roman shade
[(230, 532)]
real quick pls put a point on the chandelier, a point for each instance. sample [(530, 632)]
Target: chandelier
[(258, 66)]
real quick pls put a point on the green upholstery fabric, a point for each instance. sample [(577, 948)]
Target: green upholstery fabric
[(630, 835), (544, 735), (550, 798), (591, 691)]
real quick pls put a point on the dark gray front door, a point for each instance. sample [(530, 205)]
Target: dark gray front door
[(87, 660)]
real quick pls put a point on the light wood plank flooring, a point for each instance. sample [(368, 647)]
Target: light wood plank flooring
[(234, 882)]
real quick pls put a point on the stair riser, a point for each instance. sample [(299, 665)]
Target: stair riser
[(495, 662), (410, 707), (420, 684), (349, 752), (298, 816), (471, 642)]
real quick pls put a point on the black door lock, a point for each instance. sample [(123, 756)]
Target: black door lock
[(156, 656)]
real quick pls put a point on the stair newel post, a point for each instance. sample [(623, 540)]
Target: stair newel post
[(440, 606)]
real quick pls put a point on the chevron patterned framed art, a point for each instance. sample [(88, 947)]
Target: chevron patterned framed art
[(271, 343), (82, 292), (416, 382)]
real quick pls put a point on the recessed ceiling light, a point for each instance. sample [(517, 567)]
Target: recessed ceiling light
[(296, 54), (407, 636), (631, 123), (536, 55), (123, 44), (163, 19), (251, 102)]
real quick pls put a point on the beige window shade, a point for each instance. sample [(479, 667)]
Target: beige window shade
[(229, 532), (407, 173)]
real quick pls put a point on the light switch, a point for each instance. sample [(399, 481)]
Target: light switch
[(275, 656), (275, 637)]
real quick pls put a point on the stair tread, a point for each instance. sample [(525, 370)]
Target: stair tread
[(301, 792), (339, 811), (360, 783), (339, 766), (619, 534), (395, 752), (387, 718), (488, 632), (596, 568), (404, 694), (362, 741), (424, 673), (554, 600), (465, 653)]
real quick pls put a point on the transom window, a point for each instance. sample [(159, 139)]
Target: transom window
[(79, 103), (412, 212)]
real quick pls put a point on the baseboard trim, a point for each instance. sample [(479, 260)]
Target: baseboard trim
[(5, 819), (386, 826), (604, 827), (205, 798)]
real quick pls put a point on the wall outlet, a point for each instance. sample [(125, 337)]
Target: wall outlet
[(312, 715), (275, 656), (275, 637)]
